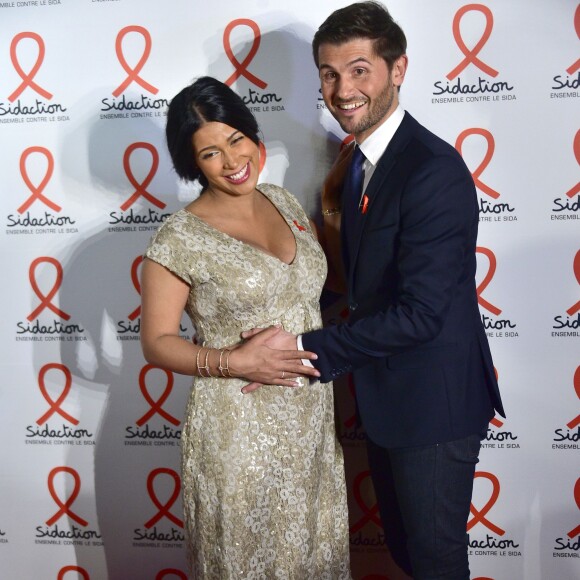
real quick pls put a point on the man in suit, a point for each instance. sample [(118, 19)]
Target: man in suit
[(414, 341)]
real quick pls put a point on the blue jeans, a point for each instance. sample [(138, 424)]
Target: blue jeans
[(424, 494)]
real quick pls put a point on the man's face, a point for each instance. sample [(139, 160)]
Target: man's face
[(357, 86)]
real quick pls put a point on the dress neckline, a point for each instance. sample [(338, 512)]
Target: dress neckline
[(251, 246)]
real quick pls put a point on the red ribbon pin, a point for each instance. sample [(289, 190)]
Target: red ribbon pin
[(133, 73), (163, 508), (37, 190), (28, 79), (365, 204), (471, 55), (65, 506), (241, 68), (45, 299), (55, 406), (479, 515)]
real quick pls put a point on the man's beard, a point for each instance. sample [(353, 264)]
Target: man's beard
[(376, 113)]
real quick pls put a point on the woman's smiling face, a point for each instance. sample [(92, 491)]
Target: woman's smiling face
[(229, 160)]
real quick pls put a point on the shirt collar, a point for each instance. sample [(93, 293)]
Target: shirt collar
[(375, 144)]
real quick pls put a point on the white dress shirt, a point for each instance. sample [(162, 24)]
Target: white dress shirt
[(376, 143)]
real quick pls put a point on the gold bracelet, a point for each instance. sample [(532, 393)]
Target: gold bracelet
[(221, 368), (227, 367), (331, 211), (206, 367), (197, 371)]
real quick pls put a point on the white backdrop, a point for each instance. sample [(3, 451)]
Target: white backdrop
[(90, 434)]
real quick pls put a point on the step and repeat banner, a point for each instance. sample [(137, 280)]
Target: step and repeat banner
[(90, 433)]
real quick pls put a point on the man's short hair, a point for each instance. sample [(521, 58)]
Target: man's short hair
[(363, 20)]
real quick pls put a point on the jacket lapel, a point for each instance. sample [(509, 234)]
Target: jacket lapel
[(375, 187)]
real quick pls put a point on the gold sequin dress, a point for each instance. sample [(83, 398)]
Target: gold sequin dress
[(262, 474)]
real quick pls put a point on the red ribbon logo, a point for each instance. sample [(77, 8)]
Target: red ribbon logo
[(141, 188), (81, 571), (242, 67), (156, 405), (133, 73), (55, 406), (576, 531), (135, 279), (576, 307), (28, 79), (485, 162), (64, 507), (485, 282), (346, 141), (370, 513), (576, 188), (163, 509), (471, 55), (170, 572), (45, 299), (262, 155), (479, 515), (37, 191), (574, 67), (575, 422)]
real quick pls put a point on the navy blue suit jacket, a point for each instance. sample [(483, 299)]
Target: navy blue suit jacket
[(414, 340)]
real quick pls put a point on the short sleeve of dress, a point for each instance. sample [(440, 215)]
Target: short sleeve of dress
[(170, 247)]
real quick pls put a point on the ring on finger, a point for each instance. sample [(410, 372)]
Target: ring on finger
[(283, 374)]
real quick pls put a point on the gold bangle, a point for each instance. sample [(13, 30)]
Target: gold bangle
[(227, 367), (207, 368), (204, 368), (221, 368), (331, 211), (197, 371)]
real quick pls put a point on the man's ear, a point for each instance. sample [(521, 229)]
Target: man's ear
[(399, 70)]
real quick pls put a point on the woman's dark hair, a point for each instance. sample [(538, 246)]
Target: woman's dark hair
[(206, 100), (363, 20)]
